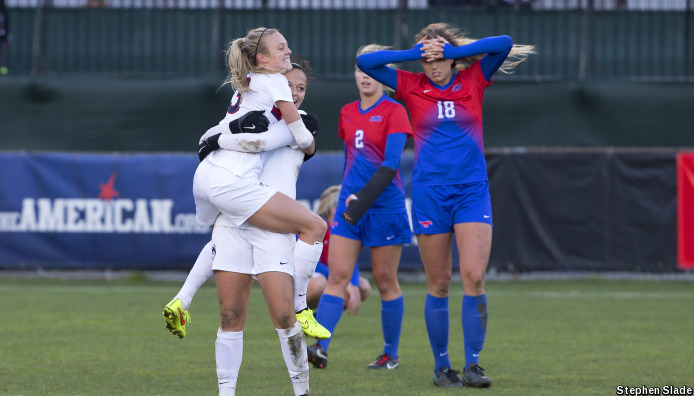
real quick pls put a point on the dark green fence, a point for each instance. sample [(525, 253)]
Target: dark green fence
[(123, 114), (571, 44)]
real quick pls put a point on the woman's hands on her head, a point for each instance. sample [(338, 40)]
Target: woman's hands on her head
[(432, 49)]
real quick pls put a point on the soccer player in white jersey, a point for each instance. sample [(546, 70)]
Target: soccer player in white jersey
[(227, 181), (248, 250)]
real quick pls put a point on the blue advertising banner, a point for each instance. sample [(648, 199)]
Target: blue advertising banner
[(564, 210), (119, 211), (72, 211)]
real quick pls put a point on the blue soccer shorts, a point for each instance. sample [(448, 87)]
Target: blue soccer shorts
[(435, 209), (374, 229)]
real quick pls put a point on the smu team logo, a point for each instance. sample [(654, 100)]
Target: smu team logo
[(333, 225), (426, 223), (456, 87), (377, 118)]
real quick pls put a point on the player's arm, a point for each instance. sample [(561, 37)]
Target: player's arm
[(496, 49), (275, 137), (304, 138), (374, 64), (361, 201)]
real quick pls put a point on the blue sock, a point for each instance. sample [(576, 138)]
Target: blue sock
[(391, 322), (474, 317), (436, 318), (329, 314)]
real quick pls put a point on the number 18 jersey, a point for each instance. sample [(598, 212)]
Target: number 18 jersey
[(447, 123)]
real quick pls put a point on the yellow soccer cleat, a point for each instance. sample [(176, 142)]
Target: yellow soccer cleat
[(176, 317), (311, 326)]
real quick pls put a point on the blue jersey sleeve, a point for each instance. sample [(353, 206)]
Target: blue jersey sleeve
[(395, 144), (374, 64), (355, 276), (497, 49)]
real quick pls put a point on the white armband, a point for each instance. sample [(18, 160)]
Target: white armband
[(302, 135)]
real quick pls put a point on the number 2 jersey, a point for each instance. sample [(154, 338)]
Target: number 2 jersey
[(447, 123), (365, 133)]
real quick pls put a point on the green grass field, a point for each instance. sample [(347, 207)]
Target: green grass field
[(574, 337)]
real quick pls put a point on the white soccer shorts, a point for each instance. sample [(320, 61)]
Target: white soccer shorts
[(217, 190), (252, 250)]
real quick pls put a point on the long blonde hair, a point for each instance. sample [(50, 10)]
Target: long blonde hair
[(328, 200), (457, 38), (241, 57)]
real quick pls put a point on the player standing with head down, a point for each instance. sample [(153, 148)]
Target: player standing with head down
[(371, 212), (450, 192)]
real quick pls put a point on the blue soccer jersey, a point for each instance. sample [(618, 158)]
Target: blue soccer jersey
[(447, 123), (365, 133)]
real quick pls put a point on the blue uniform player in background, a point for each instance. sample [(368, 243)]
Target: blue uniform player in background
[(450, 191), (370, 212)]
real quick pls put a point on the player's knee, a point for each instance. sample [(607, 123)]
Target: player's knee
[(440, 287), (230, 317), (338, 278), (473, 278), (284, 320), (313, 229), (385, 282), (318, 227)]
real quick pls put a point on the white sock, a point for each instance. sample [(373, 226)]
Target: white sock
[(228, 353), (293, 343), (305, 259), (201, 271), (227, 392)]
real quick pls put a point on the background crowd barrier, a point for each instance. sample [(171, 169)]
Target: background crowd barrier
[(554, 210)]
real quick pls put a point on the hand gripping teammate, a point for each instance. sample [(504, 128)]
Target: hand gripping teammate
[(450, 191), (371, 212)]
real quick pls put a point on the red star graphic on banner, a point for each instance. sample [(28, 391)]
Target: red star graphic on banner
[(107, 191)]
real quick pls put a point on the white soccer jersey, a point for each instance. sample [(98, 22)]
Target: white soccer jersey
[(265, 90)]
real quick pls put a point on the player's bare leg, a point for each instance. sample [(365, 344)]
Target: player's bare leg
[(233, 290), (474, 242), (286, 215), (278, 288)]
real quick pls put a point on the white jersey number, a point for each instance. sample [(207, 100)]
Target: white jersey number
[(446, 109), (359, 139)]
